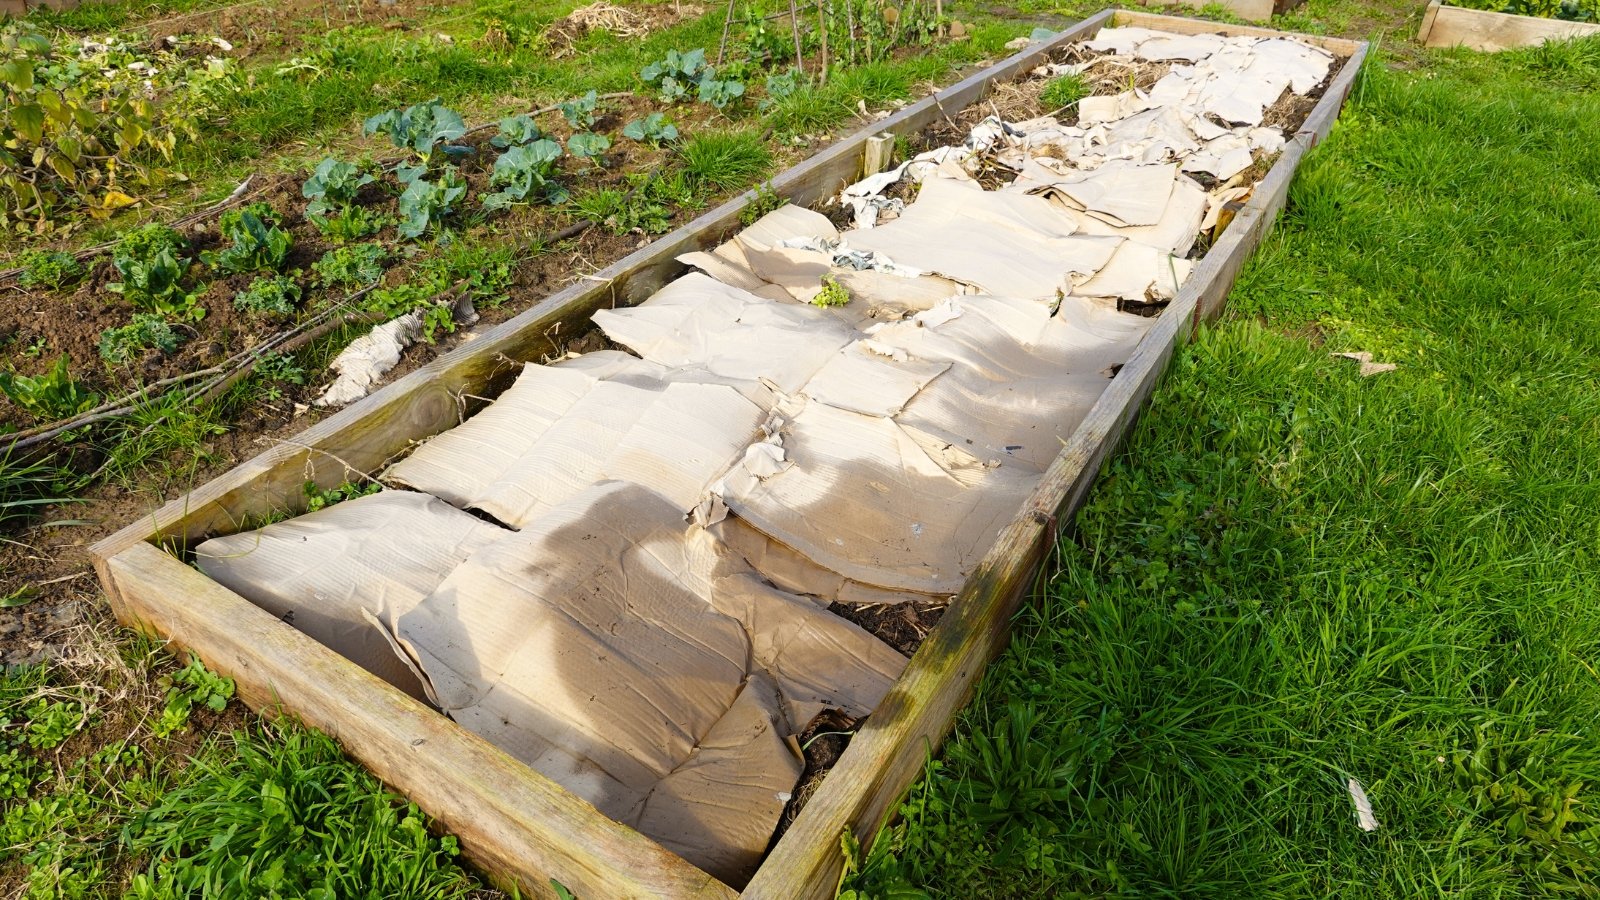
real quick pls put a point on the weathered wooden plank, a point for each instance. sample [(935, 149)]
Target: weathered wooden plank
[(1479, 29), (511, 820), (1249, 10), (887, 754)]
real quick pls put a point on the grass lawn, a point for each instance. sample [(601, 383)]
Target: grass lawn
[(1292, 575)]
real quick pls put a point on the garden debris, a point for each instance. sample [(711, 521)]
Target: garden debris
[(1368, 367), (368, 358), (564, 33), (1358, 795)]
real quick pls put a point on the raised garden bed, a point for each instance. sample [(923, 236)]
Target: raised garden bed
[(1479, 29), (515, 823)]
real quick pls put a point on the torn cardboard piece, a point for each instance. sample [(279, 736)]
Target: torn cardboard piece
[(1368, 367), (338, 572), (875, 501), (636, 661), (363, 363)]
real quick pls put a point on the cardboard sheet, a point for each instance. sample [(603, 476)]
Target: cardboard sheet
[(1002, 243), (876, 501), (702, 323), (562, 428), (337, 573), (635, 660), (1020, 379)]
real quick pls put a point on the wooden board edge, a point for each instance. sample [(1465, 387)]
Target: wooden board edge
[(1488, 31), (1180, 25), (516, 824), (885, 756), (418, 395), (1428, 16)]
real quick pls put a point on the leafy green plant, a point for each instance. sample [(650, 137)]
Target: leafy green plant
[(333, 184), (588, 145), (48, 269), (876, 875), (257, 246), (270, 295), (652, 129), (51, 722), (51, 395), (765, 44), (580, 111), (1064, 91), (425, 129), (425, 204), (151, 265), (720, 92), (350, 223), (676, 75), (287, 814), (515, 131), (525, 174), (832, 293), (275, 370), (780, 88), (318, 498), (357, 265), (147, 331), (191, 686)]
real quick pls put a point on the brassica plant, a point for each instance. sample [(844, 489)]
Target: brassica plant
[(580, 111), (524, 174), (333, 184), (516, 131), (425, 203), (654, 129)]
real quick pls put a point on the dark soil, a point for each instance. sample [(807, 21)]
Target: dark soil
[(900, 625), (821, 743)]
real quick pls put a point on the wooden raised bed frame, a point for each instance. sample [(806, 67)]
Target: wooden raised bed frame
[(1480, 29), (512, 822)]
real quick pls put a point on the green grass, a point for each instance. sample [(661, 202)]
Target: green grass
[(28, 483), (1292, 575), (722, 160)]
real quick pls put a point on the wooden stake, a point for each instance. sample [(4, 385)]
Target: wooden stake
[(794, 20), (822, 25), (727, 21)]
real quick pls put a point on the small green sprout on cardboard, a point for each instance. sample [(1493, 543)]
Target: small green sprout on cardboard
[(832, 293)]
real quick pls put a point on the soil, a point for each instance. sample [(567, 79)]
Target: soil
[(269, 28), (821, 744), (900, 625)]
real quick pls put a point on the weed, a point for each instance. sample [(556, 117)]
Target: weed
[(318, 498), (28, 483), (350, 223), (722, 160), (623, 213), (273, 296), (147, 331), (191, 686), (48, 269), (1063, 92), (161, 440), (277, 369), (765, 201), (358, 265)]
